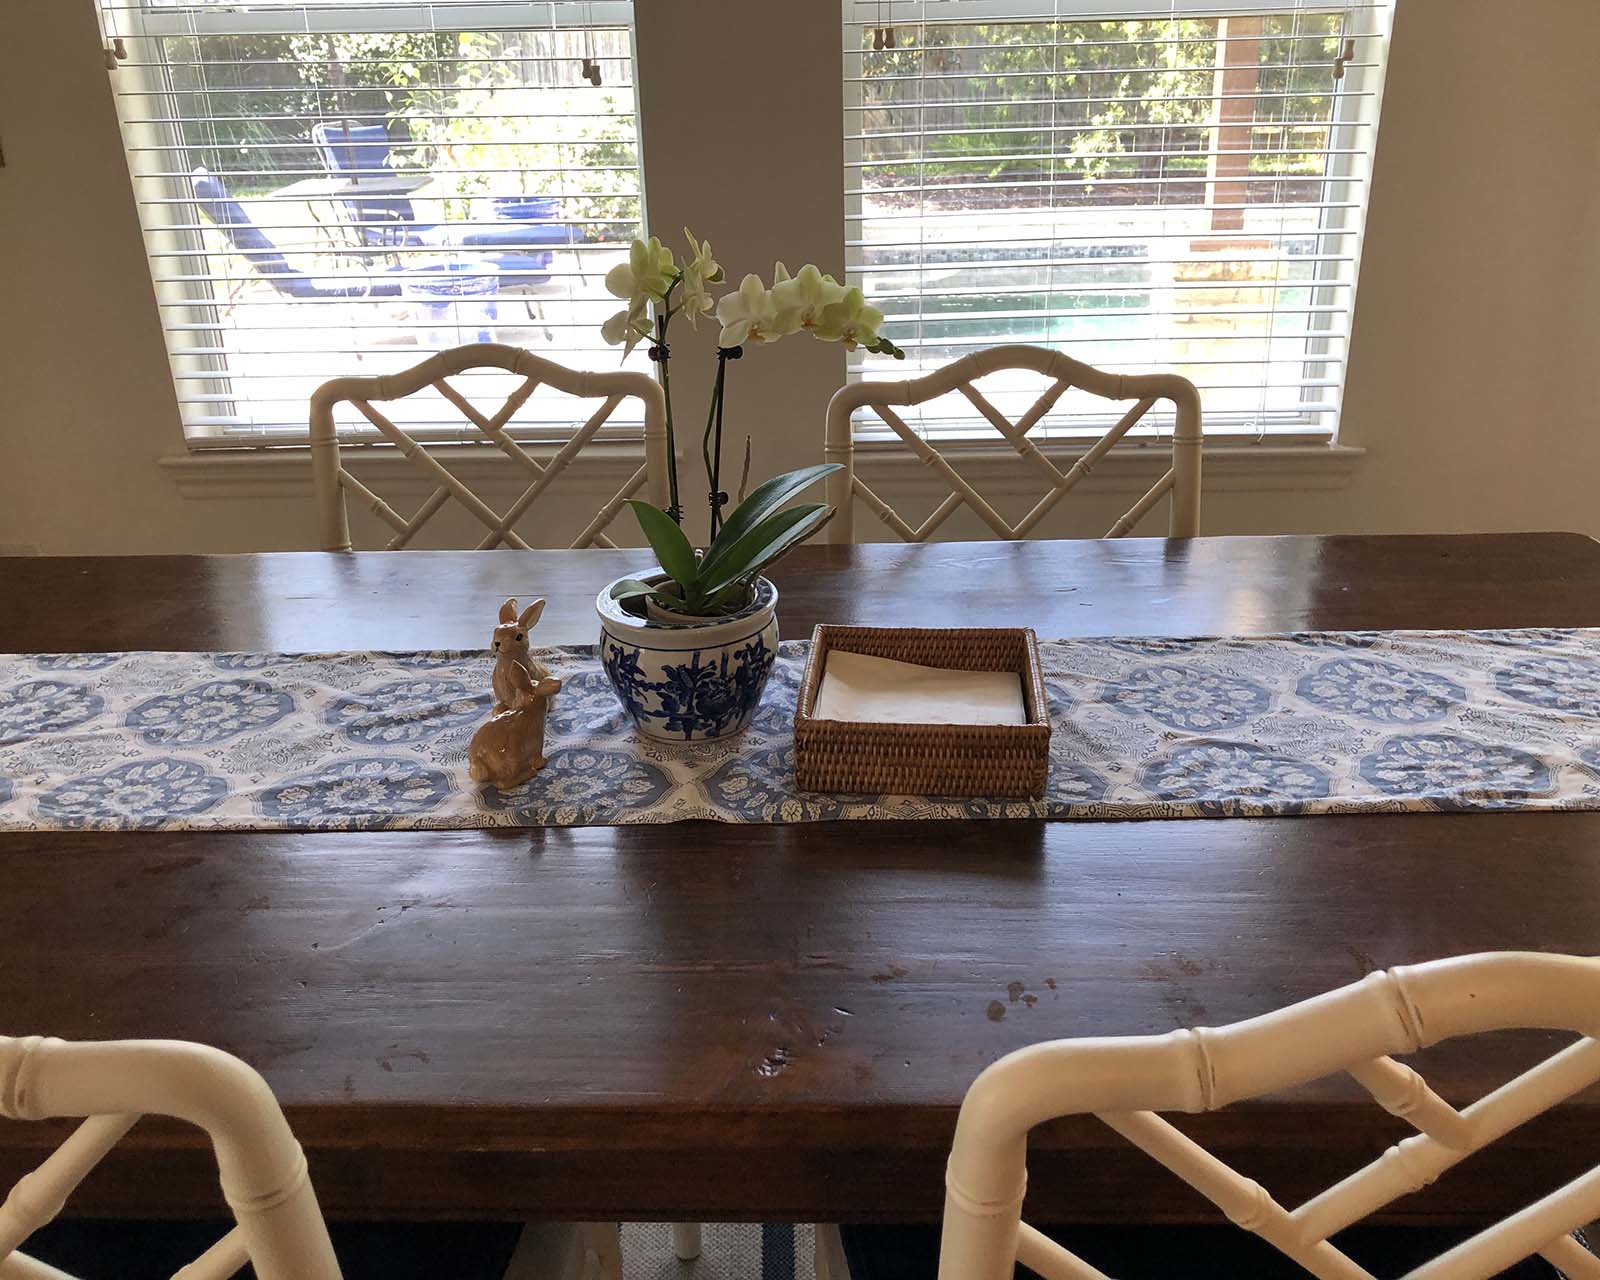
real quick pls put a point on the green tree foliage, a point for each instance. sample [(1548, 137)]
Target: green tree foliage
[(492, 113), (1017, 108)]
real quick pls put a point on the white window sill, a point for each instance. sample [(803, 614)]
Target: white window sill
[(1128, 468), (285, 472)]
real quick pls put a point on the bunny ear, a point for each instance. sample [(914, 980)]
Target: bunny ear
[(508, 611), (530, 615)]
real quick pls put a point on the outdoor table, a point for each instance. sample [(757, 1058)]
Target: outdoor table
[(328, 193), (700, 1021)]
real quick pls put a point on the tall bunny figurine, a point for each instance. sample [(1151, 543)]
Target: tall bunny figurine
[(508, 748)]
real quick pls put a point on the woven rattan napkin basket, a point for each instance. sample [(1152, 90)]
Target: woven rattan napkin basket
[(992, 760)]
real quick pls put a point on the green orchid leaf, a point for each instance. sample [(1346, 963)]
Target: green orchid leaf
[(798, 535), (763, 500), (626, 588), (630, 589), (732, 597), (669, 543), (763, 544)]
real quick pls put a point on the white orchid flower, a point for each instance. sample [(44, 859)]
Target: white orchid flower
[(850, 321), (645, 276), (701, 269), (807, 295), (749, 315), (627, 327)]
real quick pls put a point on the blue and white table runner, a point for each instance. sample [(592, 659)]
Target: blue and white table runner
[(1326, 722)]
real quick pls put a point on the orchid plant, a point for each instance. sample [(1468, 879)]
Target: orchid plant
[(656, 287)]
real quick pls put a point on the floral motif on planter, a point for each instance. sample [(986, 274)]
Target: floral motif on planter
[(159, 792), (1591, 757), (5, 790), (583, 785), (1228, 777), (1559, 684), (367, 793), (1188, 698), (1455, 772), (690, 683), (1380, 691), (37, 707), (210, 712), (407, 710)]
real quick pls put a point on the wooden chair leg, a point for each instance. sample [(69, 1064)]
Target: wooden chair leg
[(828, 1252), (686, 1241)]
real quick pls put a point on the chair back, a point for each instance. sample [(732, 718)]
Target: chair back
[(247, 239), (109, 1085), (362, 151), (1181, 480), (334, 481), (1126, 1081)]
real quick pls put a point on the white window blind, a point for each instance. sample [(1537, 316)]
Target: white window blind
[(1163, 185), (343, 188)]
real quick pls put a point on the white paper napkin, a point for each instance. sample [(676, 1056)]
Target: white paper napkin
[(858, 687)]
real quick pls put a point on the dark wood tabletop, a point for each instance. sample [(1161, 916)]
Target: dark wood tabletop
[(701, 1021)]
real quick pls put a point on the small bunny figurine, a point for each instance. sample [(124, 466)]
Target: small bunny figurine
[(508, 748)]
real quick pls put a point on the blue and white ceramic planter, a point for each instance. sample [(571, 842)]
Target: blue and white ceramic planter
[(693, 681)]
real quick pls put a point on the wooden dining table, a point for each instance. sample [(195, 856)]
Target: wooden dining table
[(704, 1021)]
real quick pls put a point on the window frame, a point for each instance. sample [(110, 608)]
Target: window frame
[(171, 229), (1353, 124)]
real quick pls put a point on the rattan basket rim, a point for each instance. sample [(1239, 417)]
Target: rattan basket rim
[(811, 728)]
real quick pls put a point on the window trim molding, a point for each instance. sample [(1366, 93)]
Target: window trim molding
[(285, 471)]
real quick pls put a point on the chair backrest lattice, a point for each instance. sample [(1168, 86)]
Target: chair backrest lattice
[(334, 480), (1127, 1082), (1181, 480), (109, 1085)]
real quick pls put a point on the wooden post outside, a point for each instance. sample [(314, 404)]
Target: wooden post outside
[(1238, 76)]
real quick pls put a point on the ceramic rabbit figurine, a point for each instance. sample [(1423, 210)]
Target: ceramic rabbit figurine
[(508, 748)]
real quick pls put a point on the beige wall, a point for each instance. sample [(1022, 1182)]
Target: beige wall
[(1476, 331)]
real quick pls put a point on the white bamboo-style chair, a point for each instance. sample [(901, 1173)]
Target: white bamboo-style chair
[(334, 481), (110, 1084), (1182, 479), (1127, 1081)]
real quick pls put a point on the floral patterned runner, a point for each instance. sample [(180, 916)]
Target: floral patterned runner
[(1327, 722)]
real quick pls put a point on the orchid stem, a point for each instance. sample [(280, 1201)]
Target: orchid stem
[(711, 450), (663, 359)]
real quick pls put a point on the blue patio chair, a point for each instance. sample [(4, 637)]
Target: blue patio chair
[(252, 244), (362, 151), (513, 270)]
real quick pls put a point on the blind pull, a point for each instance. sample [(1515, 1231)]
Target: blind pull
[(116, 51), (883, 38), (590, 69), (1346, 56)]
